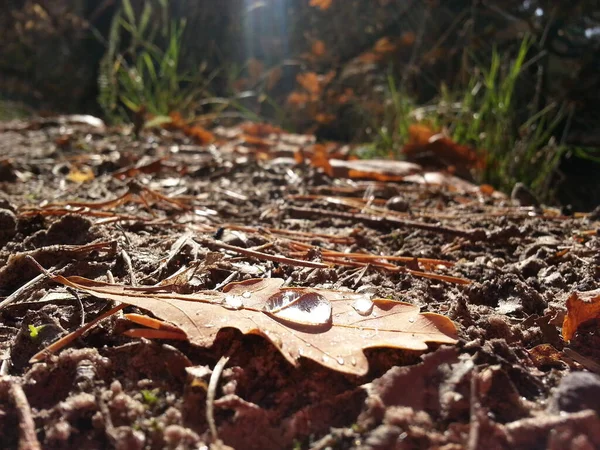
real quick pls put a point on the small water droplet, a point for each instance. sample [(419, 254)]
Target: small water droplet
[(233, 302), (411, 320), (363, 305), (308, 344), (353, 361), (325, 358), (209, 325), (340, 360), (246, 294), (301, 351)]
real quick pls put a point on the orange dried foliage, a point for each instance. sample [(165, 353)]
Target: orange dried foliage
[(255, 69), (318, 48), (321, 4), (324, 118), (328, 326), (369, 58), (384, 45), (581, 307), (545, 356), (314, 83), (423, 139), (310, 82), (256, 141), (320, 158), (298, 99), (347, 95), (260, 129), (408, 38), (196, 132), (274, 77), (82, 175)]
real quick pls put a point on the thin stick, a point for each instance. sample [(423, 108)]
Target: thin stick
[(265, 256), (211, 394), (27, 437), (15, 295), (67, 339), (473, 235)]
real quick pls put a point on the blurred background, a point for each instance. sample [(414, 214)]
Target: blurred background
[(511, 86)]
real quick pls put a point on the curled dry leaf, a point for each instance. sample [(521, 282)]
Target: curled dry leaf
[(330, 327), (581, 307)]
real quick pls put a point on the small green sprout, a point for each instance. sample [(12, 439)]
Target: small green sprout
[(34, 331), (150, 396)]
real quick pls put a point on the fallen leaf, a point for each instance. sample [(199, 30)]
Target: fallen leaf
[(309, 81), (324, 118), (408, 38), (424, 140), (199, 134), (298, 99), (273, 77), (384, 45), (80, 175), (318, 48), (330, 327), (255, 69), (260, 129), (321, 4), (581, 307)]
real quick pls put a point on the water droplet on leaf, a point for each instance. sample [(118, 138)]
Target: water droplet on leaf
[(325, 358), (353, 361), (299, 306), (233, 302), (246, 294), (340, 360), (363, 306)]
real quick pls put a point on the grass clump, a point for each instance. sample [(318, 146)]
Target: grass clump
[(142, 66), (485, 115)]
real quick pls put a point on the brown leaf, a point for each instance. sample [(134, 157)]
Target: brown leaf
[(318, 48), (321, 4), (423, 140), (384, 45), (330, 327), (80, 175), (581, 307)]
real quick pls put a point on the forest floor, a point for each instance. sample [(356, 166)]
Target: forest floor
[(89, 201)]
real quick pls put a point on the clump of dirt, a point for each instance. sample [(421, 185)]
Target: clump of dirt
[(99, 204)]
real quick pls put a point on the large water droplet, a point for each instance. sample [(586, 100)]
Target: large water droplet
[(363, 305), (301, 351), (233, 302), (325, 358), (353, 361), (246, 294), (340, 360), (299, 306)]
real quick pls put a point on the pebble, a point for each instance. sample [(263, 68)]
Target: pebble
[(397, 203), (577, 391)]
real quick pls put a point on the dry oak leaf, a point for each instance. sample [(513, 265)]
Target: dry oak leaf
[(318, 48), (322, 4), (330, 327), (581, 307)]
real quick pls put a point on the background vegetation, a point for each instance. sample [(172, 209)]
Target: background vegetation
[(514, 81)]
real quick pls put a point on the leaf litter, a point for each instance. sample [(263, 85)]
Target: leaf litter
[(210, 214)]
